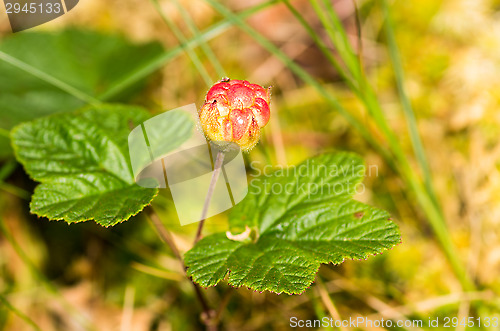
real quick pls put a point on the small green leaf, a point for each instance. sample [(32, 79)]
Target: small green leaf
[(82, 162), (87, 61), (304, 216)]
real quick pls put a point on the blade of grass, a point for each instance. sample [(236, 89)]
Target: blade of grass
[(339, 39), (156, 63), (157, 272), (358, 86), (358, 35), (336, 32), (425, 195), (411, 120), (321, 45), (182, 40), (366, 93), (48, 78), (20, 314), (331, 22), (204, 45), (337, 35)]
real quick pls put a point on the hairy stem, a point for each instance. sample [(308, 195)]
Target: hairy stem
[(211, 189)]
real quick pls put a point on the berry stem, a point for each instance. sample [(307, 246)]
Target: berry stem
[(213, 182)]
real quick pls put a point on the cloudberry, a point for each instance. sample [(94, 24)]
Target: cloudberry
[(235, 111)]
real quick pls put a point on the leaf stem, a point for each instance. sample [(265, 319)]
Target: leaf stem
[(210, 193)]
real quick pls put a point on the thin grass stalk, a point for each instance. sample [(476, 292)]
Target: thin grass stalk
[(322, 46), (48, 78), (411, 120), (337, 35), (204, 45), (19, 313), (183, 41)]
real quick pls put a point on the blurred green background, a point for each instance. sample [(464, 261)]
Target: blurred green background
[(85, 277)]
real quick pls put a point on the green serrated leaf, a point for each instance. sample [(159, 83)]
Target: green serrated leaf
[(88, 61), (82, 162), (312, 220)]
